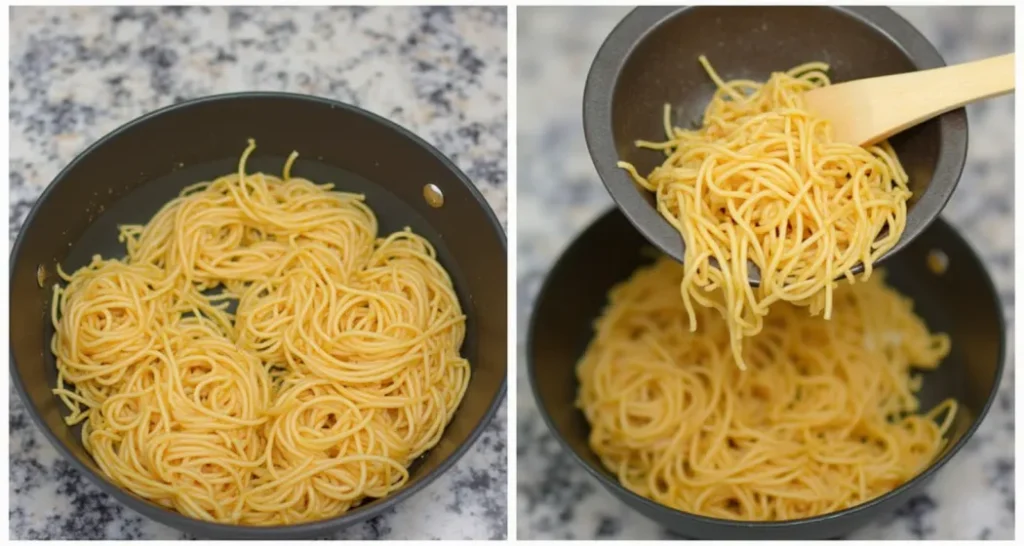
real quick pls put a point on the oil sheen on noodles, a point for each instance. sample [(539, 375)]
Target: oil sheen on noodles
[(339, 366), (825, 416), (762, 182)]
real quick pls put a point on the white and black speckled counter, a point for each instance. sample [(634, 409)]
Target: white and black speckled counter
[(78, 73), (559, 194)]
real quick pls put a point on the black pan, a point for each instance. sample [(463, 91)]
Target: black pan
[(650, 59), (962, 302), (129, 174)]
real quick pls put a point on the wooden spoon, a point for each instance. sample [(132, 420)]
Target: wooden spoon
[(866, 111)]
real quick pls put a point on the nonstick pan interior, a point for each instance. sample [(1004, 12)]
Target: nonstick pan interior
[(129, 175), (961, 302)]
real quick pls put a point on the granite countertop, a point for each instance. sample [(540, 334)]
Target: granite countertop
[(78, 73), (559, 194)]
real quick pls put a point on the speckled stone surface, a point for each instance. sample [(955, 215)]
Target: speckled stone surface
[(78, 73), (559, 194)]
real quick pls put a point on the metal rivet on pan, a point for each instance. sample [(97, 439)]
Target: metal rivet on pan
[(432, 194), (41, 275), (938, 262)]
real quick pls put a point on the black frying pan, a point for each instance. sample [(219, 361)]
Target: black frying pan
[(961, 302), (128, 175)]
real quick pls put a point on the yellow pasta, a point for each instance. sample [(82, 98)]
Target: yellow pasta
[(825, 416), (261, 356), (762, 182)]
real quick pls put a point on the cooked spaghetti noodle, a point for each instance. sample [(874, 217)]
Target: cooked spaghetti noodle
[(762, 182), (338, 366), (823, 418)]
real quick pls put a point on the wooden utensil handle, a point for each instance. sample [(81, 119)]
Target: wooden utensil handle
[(948, 88), (957, 85), (897, 102)]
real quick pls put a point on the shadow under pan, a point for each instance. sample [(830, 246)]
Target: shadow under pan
[(130, 174), (961, 302)]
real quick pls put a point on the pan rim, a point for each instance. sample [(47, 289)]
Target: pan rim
[(206, 528), (628, 497)]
